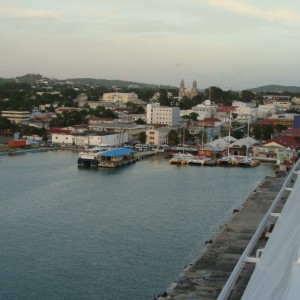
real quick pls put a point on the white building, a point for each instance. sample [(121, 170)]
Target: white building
[(120, 97), (265, 110), (157, 135), (16, 116), (205, 110), (164, 115), (90, 139), (244, 111)]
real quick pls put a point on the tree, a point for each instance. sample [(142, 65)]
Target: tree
[(185, 103), (247, 96), (102, 112), (263, 131), (5, 123), (163, 98), (134, 108), (140, 121), (143, 137), (257, 132), (267, 131), (279, 127), (193, 116), (173, 137)]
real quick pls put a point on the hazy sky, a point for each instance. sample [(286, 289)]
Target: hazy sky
[(233, 44)]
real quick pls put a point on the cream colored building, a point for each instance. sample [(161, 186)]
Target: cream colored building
[(164, 115), (157, 135), (16, 116), (185, 92), (120, 97)]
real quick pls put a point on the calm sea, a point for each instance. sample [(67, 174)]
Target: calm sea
[(73, 233)]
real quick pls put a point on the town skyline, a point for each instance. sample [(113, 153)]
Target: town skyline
[(225, 43)]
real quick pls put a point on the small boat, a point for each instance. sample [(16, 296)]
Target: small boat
[(181, 158), (199, 160), (248, 162), (230, 160)]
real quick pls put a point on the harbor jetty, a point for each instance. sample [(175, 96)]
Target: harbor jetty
[(205, 277)]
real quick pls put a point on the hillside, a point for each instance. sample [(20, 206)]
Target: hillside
[(33, 78), (276, 89), (116, 82)]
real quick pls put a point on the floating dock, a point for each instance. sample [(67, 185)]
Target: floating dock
[(205, 277)]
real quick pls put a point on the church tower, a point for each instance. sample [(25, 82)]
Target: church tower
[(181, 89), (194, 89)]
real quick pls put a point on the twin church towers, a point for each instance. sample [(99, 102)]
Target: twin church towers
[(190, 93)]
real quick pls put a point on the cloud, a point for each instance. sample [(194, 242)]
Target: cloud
[(276, 15), (19, 12)]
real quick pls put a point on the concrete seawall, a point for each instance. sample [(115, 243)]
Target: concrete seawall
[(205, 277)]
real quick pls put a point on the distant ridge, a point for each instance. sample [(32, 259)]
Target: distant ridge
[(33, 78), (116, 82), (276, 89)]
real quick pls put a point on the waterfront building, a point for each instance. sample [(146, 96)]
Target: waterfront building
[(185, 92), (16, 116), (157, 135), (248, 142), (164, 115), (132, 129), (89, 139), (223, 141), (270, 149)]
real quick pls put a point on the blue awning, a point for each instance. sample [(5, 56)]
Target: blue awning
[(117, 152)]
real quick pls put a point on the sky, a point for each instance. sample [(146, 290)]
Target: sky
[(232, 44)]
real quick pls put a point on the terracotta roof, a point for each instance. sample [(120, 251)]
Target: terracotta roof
[(226, 108), (58, 130), (286, 141), (211, 120), (291, 132)]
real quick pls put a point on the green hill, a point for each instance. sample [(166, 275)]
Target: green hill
[(116, 82), (276, 89)]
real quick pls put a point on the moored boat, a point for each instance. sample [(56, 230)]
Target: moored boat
[(248, 162), (90, 156)]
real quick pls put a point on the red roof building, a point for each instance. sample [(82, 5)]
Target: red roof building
[(285, 142)]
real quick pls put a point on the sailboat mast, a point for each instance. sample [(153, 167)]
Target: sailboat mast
[(247, 149), (229, 134)]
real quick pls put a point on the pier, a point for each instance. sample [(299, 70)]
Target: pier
[(228, 259)]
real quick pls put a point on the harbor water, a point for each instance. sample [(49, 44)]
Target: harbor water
[(126, 233)]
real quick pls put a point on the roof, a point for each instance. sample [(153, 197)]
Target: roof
[(247, 141), (222, 142), (226, 109), (117, 152), (285, 141), (292, 132)]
